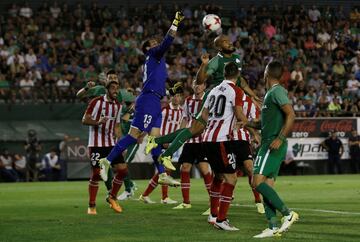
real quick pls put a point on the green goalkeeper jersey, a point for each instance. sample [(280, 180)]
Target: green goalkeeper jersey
[(215, 68), (272, 117)]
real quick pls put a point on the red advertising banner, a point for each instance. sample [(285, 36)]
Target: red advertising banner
[(321, 127)]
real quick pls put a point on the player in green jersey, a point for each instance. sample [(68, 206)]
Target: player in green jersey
[(213, 72), (277, 119)]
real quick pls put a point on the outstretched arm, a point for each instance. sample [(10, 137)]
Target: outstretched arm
[(201, 75), (160, 50), (83, 91)]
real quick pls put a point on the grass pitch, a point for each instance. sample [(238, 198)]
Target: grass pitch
[(329, 210)]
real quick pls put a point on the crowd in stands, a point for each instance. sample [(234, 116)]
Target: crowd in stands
[(47, 54)]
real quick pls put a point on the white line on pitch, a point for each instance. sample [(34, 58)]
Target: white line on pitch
[(306, 209)]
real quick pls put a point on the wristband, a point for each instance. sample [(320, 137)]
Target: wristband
[(173, 27), (86, 88)]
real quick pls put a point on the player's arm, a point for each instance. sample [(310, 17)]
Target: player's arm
[(289, 122), (202, 75), (84, 91), (184, 122), (87, 118), (160, 50), (255, 124), (205, 114), (244, 85)]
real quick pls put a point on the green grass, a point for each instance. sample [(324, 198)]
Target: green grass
[(57, 212)]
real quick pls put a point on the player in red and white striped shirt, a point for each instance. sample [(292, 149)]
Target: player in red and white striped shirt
[(172, 116), (242, 142), (222, 108), (103, 117), (193, 150)]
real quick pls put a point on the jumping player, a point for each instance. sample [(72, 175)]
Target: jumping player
[(147, 107), (172, 116), (214, 69)]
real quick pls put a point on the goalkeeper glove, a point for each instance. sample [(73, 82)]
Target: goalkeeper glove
[(179, 16), (177, 88)]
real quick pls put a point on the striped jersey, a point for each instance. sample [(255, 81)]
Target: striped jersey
[(103, 135), (191, 108), (221, 102), (171, 119), (251, 112)]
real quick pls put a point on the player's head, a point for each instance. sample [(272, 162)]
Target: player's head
[(273, 72), (231, 71), (176, 99), (112, 85), (111, 76), (223, 44), (198, 88), (148, 44)]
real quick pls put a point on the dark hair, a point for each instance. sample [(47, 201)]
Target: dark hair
[(231, 70), (275, 70), (145, 45), (111, 72)]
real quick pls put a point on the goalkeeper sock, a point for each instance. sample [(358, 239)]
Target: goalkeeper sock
[(183, 136), (167, 139)]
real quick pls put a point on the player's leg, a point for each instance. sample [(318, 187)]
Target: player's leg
[(94, 178), (153, 142), (185, 184), (121, 170), (144, 197), (267, 166), (248, 165), (129, 184), (207, 175), (165, 199), (196, 128)]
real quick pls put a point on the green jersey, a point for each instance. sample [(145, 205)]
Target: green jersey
[(100, 90), (215, 67), (272, 117)]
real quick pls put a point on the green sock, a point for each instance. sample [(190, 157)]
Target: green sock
[(128, 183), (183, 136), (167, 139), (270, 194), (108, 183), (270, 213)]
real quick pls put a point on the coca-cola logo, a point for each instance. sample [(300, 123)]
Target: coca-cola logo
[(336, 125), (304, 126)]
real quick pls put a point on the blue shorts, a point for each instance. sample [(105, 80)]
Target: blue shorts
[(147, 112)]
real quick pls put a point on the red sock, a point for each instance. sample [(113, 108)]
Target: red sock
[(164, 191), (225, 200), (185, 186), (256, 193), (215, 196), (208, 180), (118, 181), (94, 186), (152, 185)]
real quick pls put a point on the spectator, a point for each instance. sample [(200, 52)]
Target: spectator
[(32, 148), (353, 86), (269, 29), (339, 68), (315, 81), (354, 148), (26, 88), (335, 150), (299, 108), (6, 170), (50, 167), (20, 167), (334, 106), (296, 74), (310, 108), (26, 11), (323, 37), (314, 14)]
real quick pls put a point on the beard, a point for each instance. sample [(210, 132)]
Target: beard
[(228, 51)]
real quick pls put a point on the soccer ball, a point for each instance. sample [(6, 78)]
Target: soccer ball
[(211, 22)]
